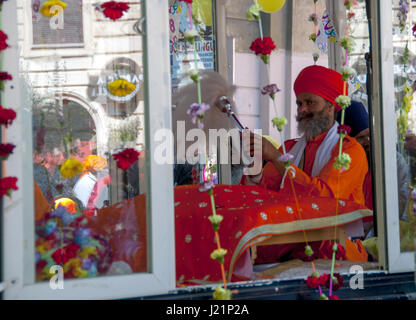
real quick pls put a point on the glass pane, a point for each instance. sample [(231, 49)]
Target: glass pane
[(88, 132), (181, 52), (255, 210), (404, 47)]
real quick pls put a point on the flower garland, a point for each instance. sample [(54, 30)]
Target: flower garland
[(263, 47), (402, 14), (197, 111), (7, 116), (313, 17), (406, 103), (342, 162)]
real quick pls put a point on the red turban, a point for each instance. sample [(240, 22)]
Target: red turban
[(321, 81)]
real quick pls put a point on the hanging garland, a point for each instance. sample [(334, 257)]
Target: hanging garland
[(264, 47), (197, 111), (7, 116)]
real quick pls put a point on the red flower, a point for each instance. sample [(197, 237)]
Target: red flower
[(338, 282), (6, 116), (344, 128), (126, 158), (188, 1), (5, 76), (333, 298), (3, 38), (7, 185), (263, 47), (6, 150), (414, 30), (324, 279), (313, 282), (61, 256), (40, 265), (325, 252), (114, 10)]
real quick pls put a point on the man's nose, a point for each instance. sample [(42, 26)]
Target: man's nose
[(302, 108)]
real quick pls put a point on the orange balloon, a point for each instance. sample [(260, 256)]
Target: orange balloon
[(67, 203)]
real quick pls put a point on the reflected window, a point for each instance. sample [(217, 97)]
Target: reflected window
[(61, 28)]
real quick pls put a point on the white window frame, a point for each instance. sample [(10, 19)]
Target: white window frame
[(18, 211), (385, 137), (62, 50)]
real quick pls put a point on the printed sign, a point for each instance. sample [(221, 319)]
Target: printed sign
[(326, 32), (182, 57)]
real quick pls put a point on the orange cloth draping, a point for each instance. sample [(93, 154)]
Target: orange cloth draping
[(251, 215), (42, 206)]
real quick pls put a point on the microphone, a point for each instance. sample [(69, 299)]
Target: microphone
[(225, 107)]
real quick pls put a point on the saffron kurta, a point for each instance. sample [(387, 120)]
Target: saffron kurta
[(329, 182)]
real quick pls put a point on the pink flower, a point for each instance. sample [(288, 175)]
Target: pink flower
[(270, 89), (414, 30), (187, 1), (286, 157), (196, 112), (333, 298)]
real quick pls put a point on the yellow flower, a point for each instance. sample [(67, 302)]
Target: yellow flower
[(71, 168), (94, 162), (222, 294), (42, 248), (121, 87), (72, 263), (219, 254), (80, 273), (87, 251), (45, 9)]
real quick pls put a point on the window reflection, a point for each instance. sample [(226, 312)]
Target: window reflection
[(88, 143)]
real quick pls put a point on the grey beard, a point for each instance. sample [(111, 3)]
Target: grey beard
[(312, 128)]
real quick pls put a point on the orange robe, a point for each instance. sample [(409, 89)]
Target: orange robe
[(347, 185)]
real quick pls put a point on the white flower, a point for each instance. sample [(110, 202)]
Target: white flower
[(347, 72), (343, 101), (190, 35)]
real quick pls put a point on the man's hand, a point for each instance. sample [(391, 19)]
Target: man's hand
[(258, 143)]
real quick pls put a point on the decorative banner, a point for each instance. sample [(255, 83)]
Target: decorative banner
[(353, 85), (270, 6), (326, 31), (181, 52)]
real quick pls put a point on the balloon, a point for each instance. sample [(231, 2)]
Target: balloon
[(67, 203), (270, 6)]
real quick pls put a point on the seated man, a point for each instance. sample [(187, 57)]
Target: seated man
[(316, 89)]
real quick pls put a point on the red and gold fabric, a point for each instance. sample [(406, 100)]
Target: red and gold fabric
[(251, 215)]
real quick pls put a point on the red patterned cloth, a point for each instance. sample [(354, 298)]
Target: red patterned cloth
[(251, 215)]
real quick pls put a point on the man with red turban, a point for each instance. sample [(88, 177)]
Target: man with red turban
[(314, 154)]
